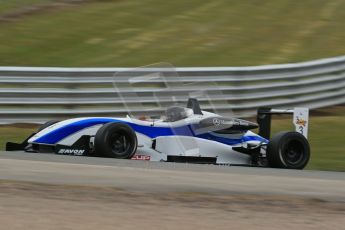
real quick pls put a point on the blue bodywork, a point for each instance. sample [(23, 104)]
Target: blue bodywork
[(57, 135)]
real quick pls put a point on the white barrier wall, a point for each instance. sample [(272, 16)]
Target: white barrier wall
[(29, 94)]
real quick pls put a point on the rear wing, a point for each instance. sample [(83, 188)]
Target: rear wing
[(300, 120)]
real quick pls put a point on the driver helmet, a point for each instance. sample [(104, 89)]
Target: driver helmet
[(177, 113)]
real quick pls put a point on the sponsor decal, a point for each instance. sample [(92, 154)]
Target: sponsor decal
[(217, 122), (301, 122), (233, 122), (141, 157), (75, 152)]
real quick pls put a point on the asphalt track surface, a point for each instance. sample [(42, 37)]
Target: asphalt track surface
[(170, 177)]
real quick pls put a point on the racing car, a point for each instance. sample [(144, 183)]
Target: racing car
[(185, 134)]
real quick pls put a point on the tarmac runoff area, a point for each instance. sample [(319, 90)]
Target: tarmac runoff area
[(86, 193)]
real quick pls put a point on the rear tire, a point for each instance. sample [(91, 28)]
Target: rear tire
[(288, 150), (116, 140)]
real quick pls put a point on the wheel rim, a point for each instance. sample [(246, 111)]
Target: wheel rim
[(294, 152), (120, 144)]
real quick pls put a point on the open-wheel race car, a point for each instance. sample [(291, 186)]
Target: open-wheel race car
[(184, 134)]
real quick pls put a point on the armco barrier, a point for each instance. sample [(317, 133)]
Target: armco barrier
[(34, 95)]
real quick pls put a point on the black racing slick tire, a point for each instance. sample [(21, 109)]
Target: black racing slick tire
[(116, 140), (289, 150), (47, 124)]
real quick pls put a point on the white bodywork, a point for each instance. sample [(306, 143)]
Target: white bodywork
[(165, 145), (178, 145)]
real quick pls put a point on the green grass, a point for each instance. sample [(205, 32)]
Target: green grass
[(325, 135), (8, 6), (14, 134), (184, 33)]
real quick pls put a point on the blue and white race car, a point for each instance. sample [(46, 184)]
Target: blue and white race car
[(184, 134)]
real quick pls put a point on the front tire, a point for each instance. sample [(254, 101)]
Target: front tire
[(47, 124), (288, 150), (116, 140)]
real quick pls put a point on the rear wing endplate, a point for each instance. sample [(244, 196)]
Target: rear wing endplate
[(300, 120)]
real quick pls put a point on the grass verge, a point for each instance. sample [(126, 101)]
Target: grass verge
[(185, 33)]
